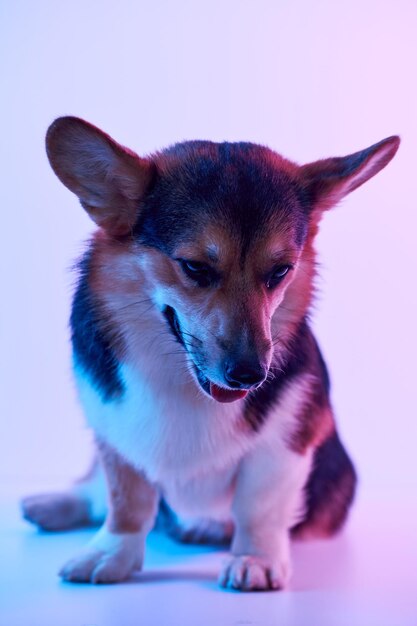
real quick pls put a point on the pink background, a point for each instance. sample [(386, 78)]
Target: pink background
[(309, 79)]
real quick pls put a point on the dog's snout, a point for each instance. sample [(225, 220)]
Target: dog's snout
[(244, 375)]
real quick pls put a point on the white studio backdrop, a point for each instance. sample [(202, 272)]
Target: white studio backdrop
[(308, 79)]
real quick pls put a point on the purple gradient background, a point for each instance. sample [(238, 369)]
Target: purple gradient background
[(309, 79)]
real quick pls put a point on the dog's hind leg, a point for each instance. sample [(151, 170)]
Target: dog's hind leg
[(199, 531), (329, 491), (83, 504)]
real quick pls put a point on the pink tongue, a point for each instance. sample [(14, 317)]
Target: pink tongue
[(226, 395)]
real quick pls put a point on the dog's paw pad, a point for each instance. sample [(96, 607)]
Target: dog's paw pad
[(253, 573)]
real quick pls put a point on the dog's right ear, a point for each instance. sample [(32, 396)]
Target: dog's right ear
[(109, 180)]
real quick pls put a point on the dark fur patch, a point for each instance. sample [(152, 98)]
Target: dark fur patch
[(245, 187), (91, 344), (329, 491), (173, 324), (322, 367), (174, 327), (259, 402)]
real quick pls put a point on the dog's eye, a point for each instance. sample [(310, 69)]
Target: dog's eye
[(277, 275), (201, 273)]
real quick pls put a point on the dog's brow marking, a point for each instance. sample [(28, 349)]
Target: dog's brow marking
[(213, 253), (278, 255), (199, 254)]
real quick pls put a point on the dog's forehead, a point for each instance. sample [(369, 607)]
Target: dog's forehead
[(220, 247), (233, 191)]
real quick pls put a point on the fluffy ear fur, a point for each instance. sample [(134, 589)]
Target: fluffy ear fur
[(109, 179), (329, 180)]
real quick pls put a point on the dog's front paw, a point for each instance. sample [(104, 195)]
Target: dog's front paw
[(108, 558), (254, 573)]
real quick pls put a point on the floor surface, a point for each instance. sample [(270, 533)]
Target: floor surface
[(367, 576)]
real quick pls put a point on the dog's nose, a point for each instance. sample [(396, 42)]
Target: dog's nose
[(244, 375)]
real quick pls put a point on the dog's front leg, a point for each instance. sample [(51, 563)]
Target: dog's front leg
[(118, 547), (268, 496)]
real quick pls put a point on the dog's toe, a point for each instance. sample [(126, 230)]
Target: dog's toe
[(81, 567), (108, 558), (253, 573), (96, 567)]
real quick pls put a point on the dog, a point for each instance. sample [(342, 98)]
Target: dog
[(193, 356)]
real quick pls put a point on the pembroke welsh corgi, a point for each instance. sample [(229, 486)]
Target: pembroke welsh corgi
[(193, 356)]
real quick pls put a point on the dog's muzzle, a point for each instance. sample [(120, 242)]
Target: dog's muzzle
[(240, 378)]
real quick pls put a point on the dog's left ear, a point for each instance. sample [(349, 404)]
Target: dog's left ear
[(329, 180)]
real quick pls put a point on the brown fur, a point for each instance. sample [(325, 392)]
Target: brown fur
[(108, 178), (315, 424), (132, 499)]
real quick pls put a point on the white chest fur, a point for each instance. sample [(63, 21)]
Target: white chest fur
[(176, 435), (188, 444)]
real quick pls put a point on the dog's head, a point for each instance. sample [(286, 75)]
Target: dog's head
[(223, 234)]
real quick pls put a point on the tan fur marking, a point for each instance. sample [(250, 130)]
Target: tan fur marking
[(314, 425), (132, 498), (214, 244), (116, 280)]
